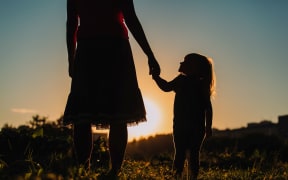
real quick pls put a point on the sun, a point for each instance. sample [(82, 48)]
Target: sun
[(147, 128), (144, 129)]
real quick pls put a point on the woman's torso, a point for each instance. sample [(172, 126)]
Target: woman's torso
[(100, 18)]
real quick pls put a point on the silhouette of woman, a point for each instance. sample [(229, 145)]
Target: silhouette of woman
[(104, 89)]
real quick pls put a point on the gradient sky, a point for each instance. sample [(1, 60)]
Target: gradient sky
[(247, 40)]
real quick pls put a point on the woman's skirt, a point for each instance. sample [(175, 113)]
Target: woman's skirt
[(104, 88)]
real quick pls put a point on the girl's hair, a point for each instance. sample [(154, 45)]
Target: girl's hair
[(206, 70)]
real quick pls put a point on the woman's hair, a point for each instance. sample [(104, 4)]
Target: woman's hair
[(206, 70)]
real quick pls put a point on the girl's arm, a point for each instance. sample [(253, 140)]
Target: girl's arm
[(71, 33), (163, 84), (209, 117), (137, 31)]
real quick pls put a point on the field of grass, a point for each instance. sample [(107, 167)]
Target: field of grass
[(44, 152), (138, 170), (146, 170)]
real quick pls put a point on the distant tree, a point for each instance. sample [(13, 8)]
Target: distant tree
[(145, 149), (40, 140), (60, 121), (37, 121)]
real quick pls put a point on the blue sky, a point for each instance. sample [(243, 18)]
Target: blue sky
[(247, 40)]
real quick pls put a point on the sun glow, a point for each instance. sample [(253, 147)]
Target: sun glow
[(148, 128)]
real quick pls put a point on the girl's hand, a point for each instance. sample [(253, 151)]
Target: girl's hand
[(153, 66)]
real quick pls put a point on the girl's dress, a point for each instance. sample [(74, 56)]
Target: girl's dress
[(104, 87)]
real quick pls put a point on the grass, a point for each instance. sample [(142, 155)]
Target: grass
[(139, 170), (145, 170), (46, 153)]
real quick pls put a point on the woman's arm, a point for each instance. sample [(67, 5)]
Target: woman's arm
[(137, 31), (71, 33)]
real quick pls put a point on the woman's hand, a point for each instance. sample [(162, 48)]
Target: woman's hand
[(153, 66)]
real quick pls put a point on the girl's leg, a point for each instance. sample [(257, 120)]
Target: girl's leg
[(180, 154), (194, 163), (179, 159), (195, 154), (83, 141), (118, 136)]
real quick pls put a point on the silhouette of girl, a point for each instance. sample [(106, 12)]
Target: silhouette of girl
[(104, 89), (192, 108)]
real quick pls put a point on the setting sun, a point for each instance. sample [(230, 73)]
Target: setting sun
[(150, 127)]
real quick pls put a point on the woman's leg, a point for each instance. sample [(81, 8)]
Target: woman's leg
[(118, 136), (83, 141)]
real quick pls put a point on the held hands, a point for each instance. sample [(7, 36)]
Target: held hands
[(154, 68)]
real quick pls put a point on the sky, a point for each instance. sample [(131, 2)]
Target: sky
[(247, 40)]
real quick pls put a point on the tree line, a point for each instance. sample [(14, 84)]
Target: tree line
[(49, 144)]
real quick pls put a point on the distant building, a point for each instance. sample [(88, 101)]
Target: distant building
[(264, 127)]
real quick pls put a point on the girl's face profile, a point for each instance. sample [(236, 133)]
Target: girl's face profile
[(188, 67)]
